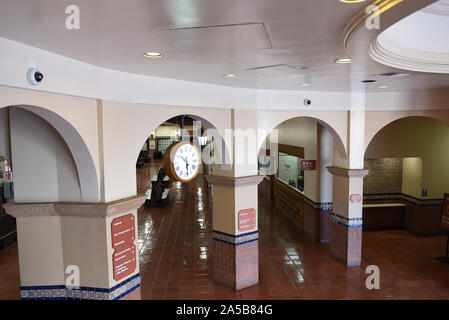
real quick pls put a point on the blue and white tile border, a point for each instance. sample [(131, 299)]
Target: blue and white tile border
[(347, 222), (83, 293), (235, 240), (322, 206)]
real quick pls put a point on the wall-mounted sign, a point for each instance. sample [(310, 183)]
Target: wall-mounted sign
[(444, 223), (308, 165), (247, 219), (152, 144), (355, 198), (123, 235)]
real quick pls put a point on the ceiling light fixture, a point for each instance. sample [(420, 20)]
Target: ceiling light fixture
[(382, 87), (230, 75), (304, 84), (154, 55), (344, 60)]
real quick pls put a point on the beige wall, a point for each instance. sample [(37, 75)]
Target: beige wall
[(44, 169), (412, 176), (420, 137), (5, 147), (303, 132)]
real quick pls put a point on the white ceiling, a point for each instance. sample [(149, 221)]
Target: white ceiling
[(205, 39)]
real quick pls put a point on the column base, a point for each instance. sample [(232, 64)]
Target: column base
[(126, 290), (346, 245), (236, 259)]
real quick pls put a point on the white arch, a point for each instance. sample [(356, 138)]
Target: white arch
[(335, 122), (377, 120)]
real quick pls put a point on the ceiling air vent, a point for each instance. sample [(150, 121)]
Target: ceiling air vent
[(395, 74)]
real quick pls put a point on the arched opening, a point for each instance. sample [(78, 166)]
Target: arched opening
[(295, 198), (174, 231), (43, 159), (408, 162)]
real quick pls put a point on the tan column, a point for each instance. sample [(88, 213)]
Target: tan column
[(235, 230), (346, 243), (98, 239)]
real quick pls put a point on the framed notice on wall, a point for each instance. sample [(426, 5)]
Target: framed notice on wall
[(444, 223)]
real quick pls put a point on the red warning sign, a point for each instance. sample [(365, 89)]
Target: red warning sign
[(123, 236), (247, 219)]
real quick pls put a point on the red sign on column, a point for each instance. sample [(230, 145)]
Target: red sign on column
[(308, 165), (247, 219), (123, 236), (444, 223), (355, 198)]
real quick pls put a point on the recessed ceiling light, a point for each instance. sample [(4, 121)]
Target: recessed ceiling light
[(351, 1), (382, 87), (230, 75), (344, 60), (304, 84), (152, 54)]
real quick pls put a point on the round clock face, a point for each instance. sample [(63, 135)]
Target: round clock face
[(186, 162)]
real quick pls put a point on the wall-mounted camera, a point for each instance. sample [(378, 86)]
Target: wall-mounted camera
[(307, 102), (34, 76)]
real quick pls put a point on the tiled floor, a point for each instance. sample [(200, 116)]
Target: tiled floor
[(175, 240)]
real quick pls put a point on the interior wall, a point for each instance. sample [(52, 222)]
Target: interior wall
[(302, 132), (420, 137), (44, 169), (384, 176), (4, 134), (412, 176)]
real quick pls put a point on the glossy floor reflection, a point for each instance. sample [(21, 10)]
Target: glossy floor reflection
[(175, 243), (175, 258)]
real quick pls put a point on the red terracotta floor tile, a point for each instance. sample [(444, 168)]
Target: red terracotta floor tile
[(175, 257)]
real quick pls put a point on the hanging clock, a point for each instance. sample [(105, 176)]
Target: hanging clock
[(182, 161)]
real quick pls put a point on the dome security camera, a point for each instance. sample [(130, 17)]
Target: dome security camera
[(34, 76), (307, 102)]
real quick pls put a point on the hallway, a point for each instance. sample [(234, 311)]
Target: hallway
[(175, 244)]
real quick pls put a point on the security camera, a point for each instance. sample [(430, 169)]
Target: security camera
[(307, 102), (34, 76)]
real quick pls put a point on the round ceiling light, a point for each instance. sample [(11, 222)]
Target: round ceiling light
[(152, 54), (382, 87), (230, 75), (344, 60), (304, 84)]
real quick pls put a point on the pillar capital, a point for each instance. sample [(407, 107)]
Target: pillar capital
[(235, 181), (74, 209), (344, 172)]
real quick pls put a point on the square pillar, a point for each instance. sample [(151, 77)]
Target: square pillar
[(235, 231), (346, 242), (97, 239)]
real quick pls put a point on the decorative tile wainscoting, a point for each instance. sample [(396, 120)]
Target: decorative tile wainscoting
[(313, 217), (121, 291), (290, 201)]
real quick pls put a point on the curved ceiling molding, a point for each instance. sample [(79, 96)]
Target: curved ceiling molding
[(396, 56), (440, 7), (359, 20), (417, 42)]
